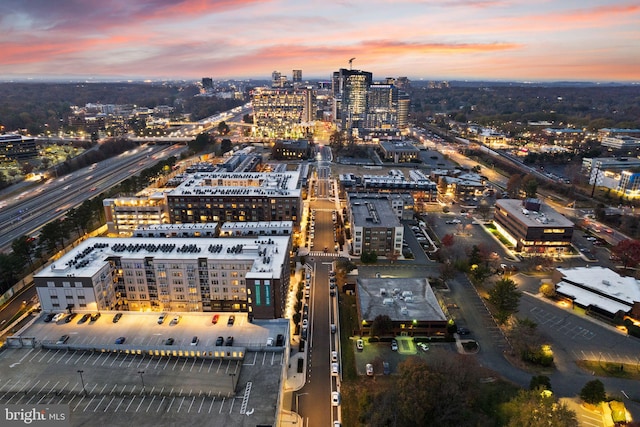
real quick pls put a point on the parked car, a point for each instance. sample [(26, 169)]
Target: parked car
[(162, 318), (117, 318), (219, 341), (279, 340), (369, 369), (394, 345), (215, 318), (63, 339), (49, 317), (229, 341), (120, 340), (334, 356), (333, 328), (175, 320), (270, 342), (195, 341), (57, 317), (84, 318), (360, 345), (463, 331), (423, 346), (335, 398), (231, 320), (169, 341), (95, 317), (334, 369), (70, 317)]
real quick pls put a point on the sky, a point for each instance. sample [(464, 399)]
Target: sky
[(516, 40)]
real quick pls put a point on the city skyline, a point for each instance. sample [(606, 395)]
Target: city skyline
[(594, 40)]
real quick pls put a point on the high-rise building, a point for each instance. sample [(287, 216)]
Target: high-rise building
[(382, 107), (207, 83), (283, 113), (350, 91), (276, 76), (297, 76)]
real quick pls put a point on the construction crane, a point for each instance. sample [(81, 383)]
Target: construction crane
[(351, 62)]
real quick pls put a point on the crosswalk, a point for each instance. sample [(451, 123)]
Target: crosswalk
[(323, 254)]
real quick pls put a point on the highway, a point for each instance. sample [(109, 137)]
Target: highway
[(27, 212)]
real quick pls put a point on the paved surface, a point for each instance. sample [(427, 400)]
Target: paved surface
[(120, 387)]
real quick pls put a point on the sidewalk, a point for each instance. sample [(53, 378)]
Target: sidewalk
[(293, 382)]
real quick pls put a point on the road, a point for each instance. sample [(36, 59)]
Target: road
[(27, 212), (313, 401)]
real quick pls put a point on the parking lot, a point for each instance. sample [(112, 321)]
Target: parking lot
[(120, 387), (377, 352)]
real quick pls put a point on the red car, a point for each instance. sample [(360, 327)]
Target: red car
[(215, 319)]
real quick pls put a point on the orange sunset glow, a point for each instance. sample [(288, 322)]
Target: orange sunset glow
[(590, 40)]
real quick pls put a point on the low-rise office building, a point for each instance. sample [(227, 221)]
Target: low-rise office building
[(410, 303), (17, 147), (532, 226), (600, 291), (182, 274), (399, 151)]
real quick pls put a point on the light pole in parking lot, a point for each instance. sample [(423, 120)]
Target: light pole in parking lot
[(80, 371), (142, 379), (233, 387)]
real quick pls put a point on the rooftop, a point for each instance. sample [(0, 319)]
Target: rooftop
[(545, 217), (372, 210), (276, 183), (268, 254), (402, 299), (600, 287)]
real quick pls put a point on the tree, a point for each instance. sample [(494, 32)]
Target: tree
[(223, 128), (336, 141), (530, 185), (10, 268), (381, 325), (548, 290), (628, 251), (23, 247), (513, 186), (448, 240), (369, 257), (533, 408), (540, 382), (225, 145), (593, 392), (505, 297), (483, 209)]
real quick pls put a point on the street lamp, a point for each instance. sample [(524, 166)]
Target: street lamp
[(80, 371), (142, 379), (233, 387)]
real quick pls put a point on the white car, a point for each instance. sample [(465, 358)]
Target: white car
[(369, 368), (394, 345), (335, 398), (360, 345), (334, 356), (57, 317), (334, 369)]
